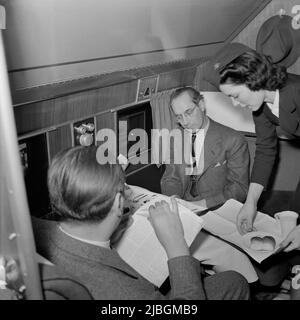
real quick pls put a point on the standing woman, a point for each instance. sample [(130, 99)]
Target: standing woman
[(253, 80)]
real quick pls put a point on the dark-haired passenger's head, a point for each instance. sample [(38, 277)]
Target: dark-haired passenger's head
[(249, 76), (80, 188)]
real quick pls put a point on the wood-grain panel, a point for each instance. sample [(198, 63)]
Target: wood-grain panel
[(107, 120), (57, 111), (55, 90), (179, 78), (59, 139), (43, 115)]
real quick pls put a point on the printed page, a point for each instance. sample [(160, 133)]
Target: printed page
[(222, 223), (137, 197), (140, 248)]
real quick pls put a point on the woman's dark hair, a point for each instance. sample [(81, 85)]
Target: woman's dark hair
[(80, 188), (255, 70)]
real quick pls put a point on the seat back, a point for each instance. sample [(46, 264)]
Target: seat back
[(57, 285)]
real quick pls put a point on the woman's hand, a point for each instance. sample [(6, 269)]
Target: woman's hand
[(245, 218), (292, 241), (168, 228)]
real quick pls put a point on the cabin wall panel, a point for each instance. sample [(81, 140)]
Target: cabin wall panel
[(48, 41), (59, 139), (107, 120), (42, 115), (176, 79), (73, 107)]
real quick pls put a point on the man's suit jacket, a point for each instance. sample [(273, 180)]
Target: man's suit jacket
[(265, 127), (106, 275), (226, 169)]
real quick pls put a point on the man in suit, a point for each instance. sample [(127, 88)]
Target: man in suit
[(219, 168), (215, 170), (88, 200)]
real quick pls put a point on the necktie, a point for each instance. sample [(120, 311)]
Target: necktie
[(193, 190), (194, 162)]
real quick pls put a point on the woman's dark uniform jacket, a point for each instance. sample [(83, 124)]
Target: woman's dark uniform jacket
[(265, 127)]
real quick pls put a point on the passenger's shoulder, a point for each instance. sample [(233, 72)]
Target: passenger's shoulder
[(292, 86)]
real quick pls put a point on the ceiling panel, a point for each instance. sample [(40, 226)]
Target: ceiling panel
[(59, 31)]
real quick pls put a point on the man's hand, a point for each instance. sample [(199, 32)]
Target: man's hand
[(245, 218), (168, 228), (292, 241)]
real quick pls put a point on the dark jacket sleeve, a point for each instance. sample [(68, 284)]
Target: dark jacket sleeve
[(237, 174), (266, 147), (185, 279), (296, 110), (289, 115), (289, 121)]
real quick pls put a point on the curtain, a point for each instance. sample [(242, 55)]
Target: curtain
[(162, 119)]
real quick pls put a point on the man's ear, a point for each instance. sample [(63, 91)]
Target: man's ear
[(202, 105), (118, 204)]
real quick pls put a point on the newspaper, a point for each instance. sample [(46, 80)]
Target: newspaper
[(138, 196), (139, 246), (222, 223)]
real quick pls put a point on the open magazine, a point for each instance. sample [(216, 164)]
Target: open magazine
[(222, 223), (139, 246)]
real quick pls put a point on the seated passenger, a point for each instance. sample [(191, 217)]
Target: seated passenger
[(218, 171), (88, 200), (219, 166)]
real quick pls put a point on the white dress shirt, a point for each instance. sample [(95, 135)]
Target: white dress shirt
[(274, 107), (104, 244), (199, 149)]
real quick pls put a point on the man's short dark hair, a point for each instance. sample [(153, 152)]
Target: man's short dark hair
[(80, 188), (195, 95)]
